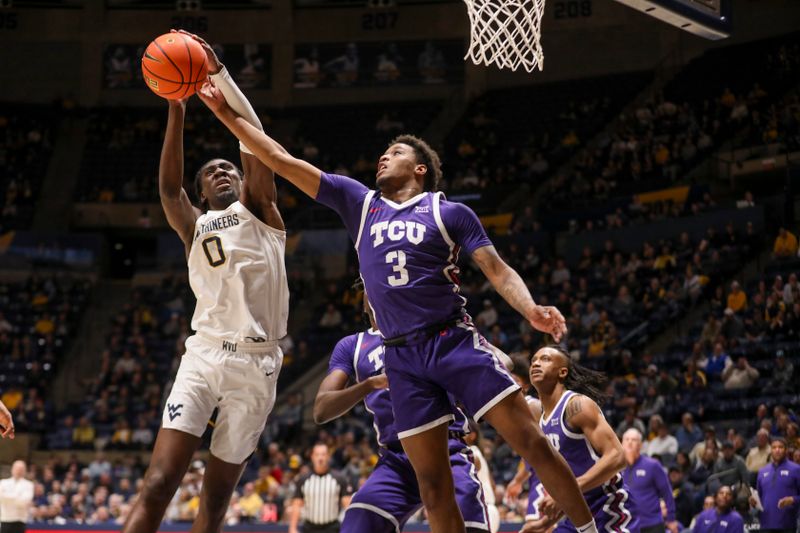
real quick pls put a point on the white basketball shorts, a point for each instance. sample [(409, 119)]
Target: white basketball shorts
[(239, 379)]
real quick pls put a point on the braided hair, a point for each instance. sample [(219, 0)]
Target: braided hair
[(582, 380)]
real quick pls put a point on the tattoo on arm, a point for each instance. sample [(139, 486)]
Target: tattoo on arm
[(574, 407), (515, 292)]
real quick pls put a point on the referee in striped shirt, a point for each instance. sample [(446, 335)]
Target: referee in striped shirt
[(320, 494)]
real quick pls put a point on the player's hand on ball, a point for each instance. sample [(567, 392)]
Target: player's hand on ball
[(214, 64), (548, 319), (211, 96), (379, 382)]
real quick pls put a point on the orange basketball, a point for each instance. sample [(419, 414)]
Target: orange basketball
[(174, 66)]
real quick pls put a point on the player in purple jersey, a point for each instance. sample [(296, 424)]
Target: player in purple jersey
[(408, 238), (575, 426), (390, 495)]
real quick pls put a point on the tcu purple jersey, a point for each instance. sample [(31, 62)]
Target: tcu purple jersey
[(407, 252), (610, 503), (360, 356)]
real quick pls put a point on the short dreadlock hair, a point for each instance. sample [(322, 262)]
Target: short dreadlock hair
[(426, 156)]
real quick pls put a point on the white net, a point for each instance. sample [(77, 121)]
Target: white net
[(506, 33)]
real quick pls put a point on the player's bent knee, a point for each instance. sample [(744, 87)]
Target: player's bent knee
[(158, 486), (360, 520)]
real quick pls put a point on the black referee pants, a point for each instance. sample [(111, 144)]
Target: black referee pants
[(12, 527), (658, 528), (308, 527)]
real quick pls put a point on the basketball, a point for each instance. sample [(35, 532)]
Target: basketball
[(174, 66)]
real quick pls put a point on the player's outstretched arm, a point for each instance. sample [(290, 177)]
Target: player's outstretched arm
[(259, 193), (510, 286), (334, 398), (180, 212), (302, 174)]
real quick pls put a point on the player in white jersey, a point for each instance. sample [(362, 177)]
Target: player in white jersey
[(473, 440), (235, 251)]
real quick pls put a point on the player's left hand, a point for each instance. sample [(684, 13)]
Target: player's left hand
[(214, 64), (548, 319), (549, 508), (212, 96)]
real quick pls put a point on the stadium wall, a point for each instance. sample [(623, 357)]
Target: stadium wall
[(50, 53)]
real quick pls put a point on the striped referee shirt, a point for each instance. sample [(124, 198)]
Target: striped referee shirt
[(322, 496)]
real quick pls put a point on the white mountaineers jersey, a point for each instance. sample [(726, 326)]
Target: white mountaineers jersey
[(238, 275)]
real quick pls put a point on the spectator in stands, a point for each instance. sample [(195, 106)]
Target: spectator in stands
[(630, 422), (711, 329), (487, 317), (791, 291), (721, 518), (739, 376), (716, 363), (331, 318), (785, 246), (688, 434), (250, 503), (782, 374), (758, 456), (142, 437), (652, 404), (737, 299), (709, 442), (704, 467), (663, 445), (730, 467), (684, 496), (649, 485), (84, 434), (778, 489), (732, 326)]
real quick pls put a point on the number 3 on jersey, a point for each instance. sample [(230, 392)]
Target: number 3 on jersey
[(401, 274), (212, 246)]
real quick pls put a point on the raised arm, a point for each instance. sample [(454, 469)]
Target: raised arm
[(582, 413), (302, 174), (510, 286), (180, 212), (259, 193), (334, 398)]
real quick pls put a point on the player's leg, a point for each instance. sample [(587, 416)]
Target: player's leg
[(469, 491), (512, 419), (172, 454), (246, 394), (482, 383), (184, 420), (429, 454), (386, 500), (422, 413), (219, 481)]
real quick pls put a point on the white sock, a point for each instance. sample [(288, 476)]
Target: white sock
[(591, 527)]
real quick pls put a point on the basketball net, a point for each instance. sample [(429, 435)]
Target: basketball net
[(506, 33)]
